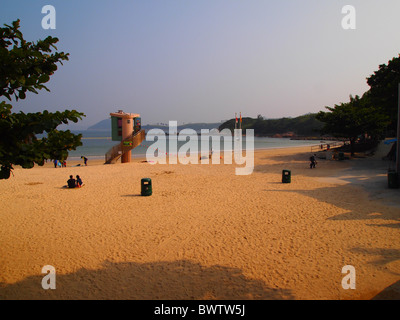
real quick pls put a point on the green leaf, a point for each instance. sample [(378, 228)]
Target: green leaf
[(25, 67)]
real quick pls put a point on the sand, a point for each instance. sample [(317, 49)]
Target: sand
[(205, 233)]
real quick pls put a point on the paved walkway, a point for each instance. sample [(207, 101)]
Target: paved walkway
[(370, 173)]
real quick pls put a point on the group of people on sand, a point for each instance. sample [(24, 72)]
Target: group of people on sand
[(59, 163), (74, 183), (63, 163)]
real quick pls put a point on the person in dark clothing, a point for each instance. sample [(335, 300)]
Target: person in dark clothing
[(71, 182), (84, 160), (313, 162), (79, 182)]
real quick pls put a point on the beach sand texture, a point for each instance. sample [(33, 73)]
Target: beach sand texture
[(205, 233)]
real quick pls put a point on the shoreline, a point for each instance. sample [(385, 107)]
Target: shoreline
[(141, 157), (94, 156), (204, 233)]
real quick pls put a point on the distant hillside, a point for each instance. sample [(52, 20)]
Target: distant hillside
[(304, 126), (105, 125), (101, 126)]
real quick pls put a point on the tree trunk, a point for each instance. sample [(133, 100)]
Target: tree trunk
[(352, 146)]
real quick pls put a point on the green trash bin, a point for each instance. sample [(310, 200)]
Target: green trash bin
[(393, 179), (341, 156), (147, 189), (286, 176)]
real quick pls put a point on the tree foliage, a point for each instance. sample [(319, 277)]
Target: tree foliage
[(305, 125), (27, 66), (373, 114), (383, 92), (353, 119)]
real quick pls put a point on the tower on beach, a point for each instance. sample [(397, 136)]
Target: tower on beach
[(126, 128)]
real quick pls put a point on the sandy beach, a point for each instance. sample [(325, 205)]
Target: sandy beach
[(205, 233)]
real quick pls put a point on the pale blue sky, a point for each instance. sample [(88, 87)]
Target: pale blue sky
[(204, 60)]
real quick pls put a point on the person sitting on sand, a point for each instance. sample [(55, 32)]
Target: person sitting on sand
[(71, 182), (79, 182)]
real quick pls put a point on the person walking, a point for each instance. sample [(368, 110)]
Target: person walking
[(313, 161)]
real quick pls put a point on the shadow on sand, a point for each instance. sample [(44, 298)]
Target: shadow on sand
[(390, 293), (368, 173), (177, 280), (333, 196)]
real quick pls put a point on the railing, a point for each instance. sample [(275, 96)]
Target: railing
[(126, 145), (328, 146)]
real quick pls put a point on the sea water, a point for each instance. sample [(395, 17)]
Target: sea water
[(96, 147)]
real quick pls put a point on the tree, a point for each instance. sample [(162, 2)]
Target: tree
[(27, 66), (353, 119), (383, 92), (305, 125)]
